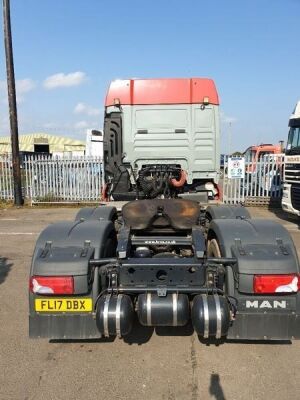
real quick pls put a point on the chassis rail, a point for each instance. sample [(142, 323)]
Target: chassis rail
[(104, 261)]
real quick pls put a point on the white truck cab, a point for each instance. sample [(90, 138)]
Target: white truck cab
[(291, 188)]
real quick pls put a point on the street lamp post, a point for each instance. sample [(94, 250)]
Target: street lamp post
[(229, 138)]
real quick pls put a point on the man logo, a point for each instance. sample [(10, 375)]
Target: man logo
[(266, 304)]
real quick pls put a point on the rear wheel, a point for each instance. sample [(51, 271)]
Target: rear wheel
[(213, 249), (110, 247)]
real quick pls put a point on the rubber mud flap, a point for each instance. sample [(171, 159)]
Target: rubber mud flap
[(62, 327), (269, 326)]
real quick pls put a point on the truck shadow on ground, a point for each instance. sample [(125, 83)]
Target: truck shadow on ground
[(284, 216), (4, 268), (219, 342), (139, 334), (142, 334)]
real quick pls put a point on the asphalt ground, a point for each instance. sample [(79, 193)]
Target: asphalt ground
[(165, 364)]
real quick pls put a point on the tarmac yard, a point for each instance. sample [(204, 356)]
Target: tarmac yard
[(163, 364)]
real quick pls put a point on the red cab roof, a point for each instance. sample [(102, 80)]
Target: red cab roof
[(162, 91)]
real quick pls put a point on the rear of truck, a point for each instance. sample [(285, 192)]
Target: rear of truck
[(162, 139), (163, 264)]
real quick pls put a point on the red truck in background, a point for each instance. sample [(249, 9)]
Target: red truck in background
[(263, 170), (255, 153)]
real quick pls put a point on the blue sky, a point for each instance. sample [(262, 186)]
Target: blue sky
[(67, 51)]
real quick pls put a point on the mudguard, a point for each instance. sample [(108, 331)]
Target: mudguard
[(65, 248), (227, 212), (260, 247), (106, 213), (68, 234)]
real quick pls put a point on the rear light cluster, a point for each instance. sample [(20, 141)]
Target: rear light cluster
[(262, 284), (52, 285), (270, 284)]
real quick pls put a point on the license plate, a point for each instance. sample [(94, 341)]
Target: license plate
[(63, 305)]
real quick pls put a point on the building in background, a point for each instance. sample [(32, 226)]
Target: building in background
[(44, 143), (94, 143)]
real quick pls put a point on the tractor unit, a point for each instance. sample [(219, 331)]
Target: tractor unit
[(162, 139), (163, 259)]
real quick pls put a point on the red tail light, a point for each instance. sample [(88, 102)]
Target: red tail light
[(276, 283), (52, 285)]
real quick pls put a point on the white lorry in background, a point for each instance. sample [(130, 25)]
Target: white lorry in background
[(94, 143), (291, 188)]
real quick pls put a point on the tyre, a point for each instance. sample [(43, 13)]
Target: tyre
[(213, 249)]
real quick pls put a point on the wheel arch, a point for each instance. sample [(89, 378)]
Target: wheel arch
[(76, 234), (106, 213)]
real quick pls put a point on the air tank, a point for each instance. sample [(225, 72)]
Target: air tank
[(210, 315), (169, 310), (114, 315)]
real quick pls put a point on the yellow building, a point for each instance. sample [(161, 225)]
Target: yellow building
[(45, 143)]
